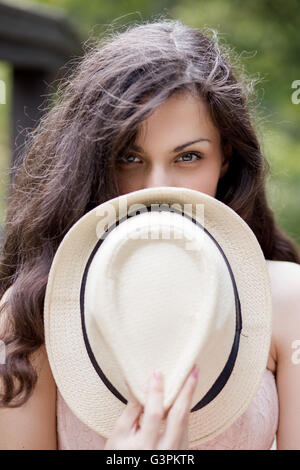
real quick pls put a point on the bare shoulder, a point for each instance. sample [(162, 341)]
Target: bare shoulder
[(285, 288), (33, 424), (287, 268), (285, 285)]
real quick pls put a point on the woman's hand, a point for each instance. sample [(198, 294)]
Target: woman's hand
[(127, 433)]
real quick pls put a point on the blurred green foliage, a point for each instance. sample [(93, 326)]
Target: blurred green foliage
[(5, 136), (265, 37)]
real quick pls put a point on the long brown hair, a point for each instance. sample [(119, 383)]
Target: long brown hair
[(69, 162)]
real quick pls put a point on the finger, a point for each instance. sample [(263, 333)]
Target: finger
[(184, 441), (131, 397), (178, 416), (153, 412), (130, 415)]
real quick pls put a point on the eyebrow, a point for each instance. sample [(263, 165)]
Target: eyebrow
[(176, 149)]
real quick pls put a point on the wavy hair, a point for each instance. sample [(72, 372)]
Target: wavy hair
[(69, 162)]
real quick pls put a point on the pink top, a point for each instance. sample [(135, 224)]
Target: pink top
[(254, 429)]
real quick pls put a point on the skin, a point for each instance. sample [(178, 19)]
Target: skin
[(128, 434), (175, 122), (198, 166), (181, 119)]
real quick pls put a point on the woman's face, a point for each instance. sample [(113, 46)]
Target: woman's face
[(178, 145)]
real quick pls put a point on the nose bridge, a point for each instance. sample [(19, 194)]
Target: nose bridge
[(158, 175)]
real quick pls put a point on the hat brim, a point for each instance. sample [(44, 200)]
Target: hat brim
[(78, 382)]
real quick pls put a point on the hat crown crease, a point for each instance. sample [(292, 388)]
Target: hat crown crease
[(164, 296)]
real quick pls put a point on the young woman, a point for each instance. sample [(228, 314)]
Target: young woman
[(156, 105)]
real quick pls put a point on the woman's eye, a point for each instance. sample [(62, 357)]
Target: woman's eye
[(187, 157), (127, 159)]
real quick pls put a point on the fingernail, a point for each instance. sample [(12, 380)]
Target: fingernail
[(157, 375), (195, 372)]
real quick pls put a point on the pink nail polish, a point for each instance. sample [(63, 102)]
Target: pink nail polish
[(157, 375), (195, 372)]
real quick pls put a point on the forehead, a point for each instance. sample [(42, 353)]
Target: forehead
[(182, 115)]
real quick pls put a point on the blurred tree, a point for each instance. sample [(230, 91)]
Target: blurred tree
[(93, 16), (265, 32), (265, 36)]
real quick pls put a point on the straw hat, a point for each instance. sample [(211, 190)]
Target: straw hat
[(163, 278)]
